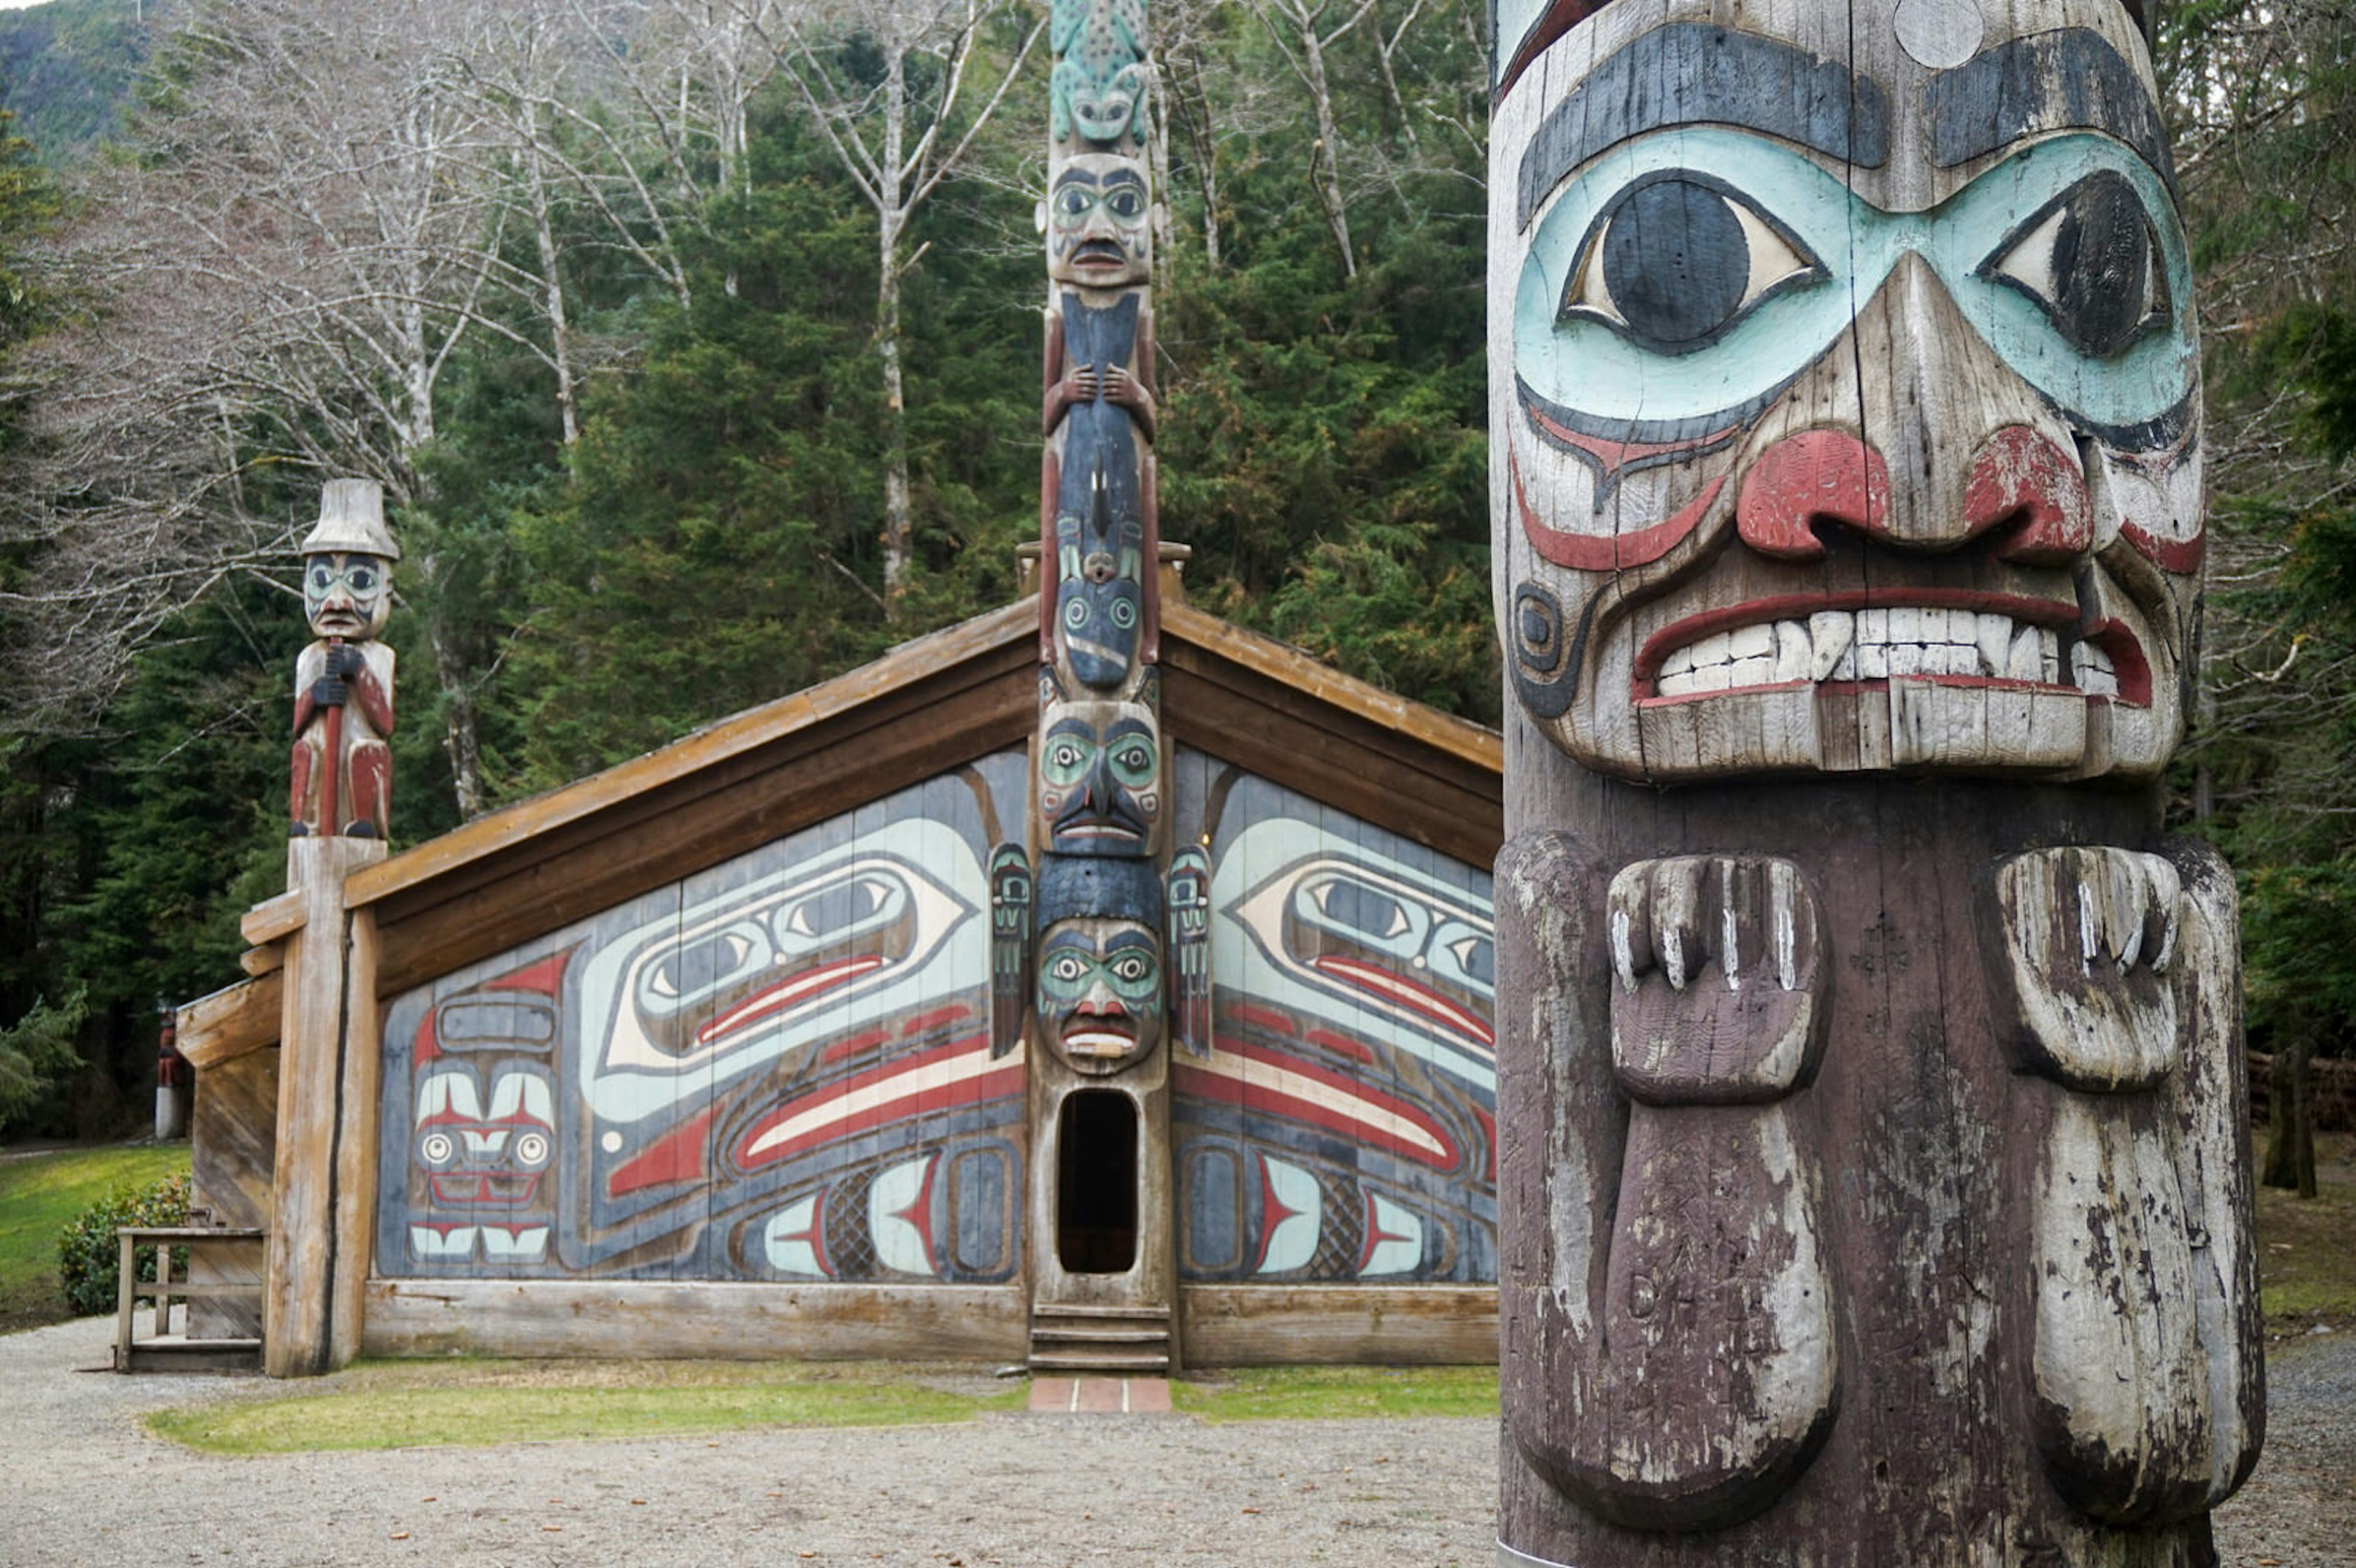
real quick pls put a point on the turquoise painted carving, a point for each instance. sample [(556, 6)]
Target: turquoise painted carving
[(1098, 87)]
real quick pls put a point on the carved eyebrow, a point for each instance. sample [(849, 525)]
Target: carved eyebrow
[(1075, 177), (1124, 176), (2069, 80), (1691, 71)]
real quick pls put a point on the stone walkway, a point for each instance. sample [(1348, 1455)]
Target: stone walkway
[(82, 1486)]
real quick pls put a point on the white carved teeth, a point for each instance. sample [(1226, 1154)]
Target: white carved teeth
[(2090, 670), (1875, 644)]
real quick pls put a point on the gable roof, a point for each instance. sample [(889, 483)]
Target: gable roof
[(924, 708)]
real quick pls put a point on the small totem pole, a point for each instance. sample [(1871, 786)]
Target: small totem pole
[(343, 682), (1874, 1159), (1084, 956)]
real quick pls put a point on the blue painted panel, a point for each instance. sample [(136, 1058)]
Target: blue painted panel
[(776, 1069)]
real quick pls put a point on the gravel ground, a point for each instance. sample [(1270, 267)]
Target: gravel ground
[(81, 1485)]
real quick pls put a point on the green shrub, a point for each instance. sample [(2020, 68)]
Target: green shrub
[(88, 1254)]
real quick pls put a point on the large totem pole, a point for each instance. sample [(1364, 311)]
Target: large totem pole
[(1084, 956), (1873, 1137)]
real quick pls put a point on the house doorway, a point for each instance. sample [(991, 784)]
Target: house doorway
[(1095, 1182)]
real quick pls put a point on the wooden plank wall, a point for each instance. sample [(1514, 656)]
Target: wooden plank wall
[(233, 1135)]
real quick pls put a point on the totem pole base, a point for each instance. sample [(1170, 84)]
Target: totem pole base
[(323, 1188)]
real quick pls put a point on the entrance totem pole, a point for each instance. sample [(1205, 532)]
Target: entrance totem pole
[(1084, 952), (1874, 1140)]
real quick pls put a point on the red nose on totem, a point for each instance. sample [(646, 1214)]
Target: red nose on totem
[(2020, 485)]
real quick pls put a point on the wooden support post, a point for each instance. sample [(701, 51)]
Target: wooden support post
[(127, 1276), (322, 1186)]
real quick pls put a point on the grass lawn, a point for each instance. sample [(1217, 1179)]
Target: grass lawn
[(1273, 1394), (2307, 1248), (39, 1194), (475, 1404)]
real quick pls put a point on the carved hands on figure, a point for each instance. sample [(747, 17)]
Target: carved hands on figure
[(2089, 937), (1718, 988)]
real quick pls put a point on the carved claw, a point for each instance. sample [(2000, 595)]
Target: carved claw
[(2080, 945), (1718, 999)]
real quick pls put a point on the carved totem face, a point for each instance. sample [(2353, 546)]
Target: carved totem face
[(1098, 236), (346, 595), (1099, 779), (1100, 992), (1746, 533)]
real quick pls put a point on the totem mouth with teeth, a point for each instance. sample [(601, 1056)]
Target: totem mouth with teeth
[(1098, 1040), (1860, 640)]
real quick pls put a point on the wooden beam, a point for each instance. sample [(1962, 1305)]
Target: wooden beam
[(230, 1021), (910, 667), (273, 919), (663, 1318), (1288, 667), (1274, 1325)]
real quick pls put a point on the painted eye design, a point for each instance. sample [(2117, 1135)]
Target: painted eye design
[(1124, 613), (1068, 969), (362, 579), (1073, 202), (532, 1151), (837, 910), (1075, 613), (2090, 261), (706, 966), (1676, 262), (1133, 761), (1131, 968), (1126, 202), (437, 1148), (322, 577), (1065, 759), (1361, 908), (1476, 958)]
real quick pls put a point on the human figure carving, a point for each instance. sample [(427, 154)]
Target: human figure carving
[(342, 769)]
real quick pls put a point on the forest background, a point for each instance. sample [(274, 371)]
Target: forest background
[(696, 343)]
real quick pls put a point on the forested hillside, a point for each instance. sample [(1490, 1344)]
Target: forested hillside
[(614, 296), (67, 68)]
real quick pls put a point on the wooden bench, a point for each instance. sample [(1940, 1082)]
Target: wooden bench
[(167, 1351)]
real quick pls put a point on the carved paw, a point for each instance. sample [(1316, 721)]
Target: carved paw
[(1718, 993), (2082, 943)]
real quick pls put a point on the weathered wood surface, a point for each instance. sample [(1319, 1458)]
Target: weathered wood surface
[(233, 1144), (653, 1320), (232, 1022), (1273, 1326), (1846, 465), (325, 1019)]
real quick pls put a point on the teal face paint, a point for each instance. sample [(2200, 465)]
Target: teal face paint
[(1794, 251)]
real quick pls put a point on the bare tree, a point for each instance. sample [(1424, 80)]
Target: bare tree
[(899, 112)]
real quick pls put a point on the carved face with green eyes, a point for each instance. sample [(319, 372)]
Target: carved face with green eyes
[(346, 595), (1848, 394), (1099, 779), (1098, 235), (1100, 992)]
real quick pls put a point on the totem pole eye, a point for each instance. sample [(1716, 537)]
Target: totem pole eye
[(1126, 202), (362, 579), (1133, 762), (2090, 261), (1073, 201), (1675, 262), (322, 577)]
